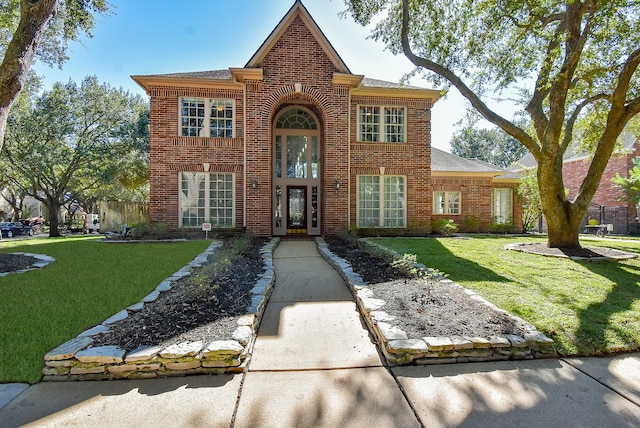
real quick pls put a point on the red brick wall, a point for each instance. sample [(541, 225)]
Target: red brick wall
[(171, 153), (476, 200), (607, 194), (295, 58), (411, 159)]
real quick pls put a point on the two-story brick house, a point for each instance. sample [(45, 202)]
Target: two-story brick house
[(295, 143)]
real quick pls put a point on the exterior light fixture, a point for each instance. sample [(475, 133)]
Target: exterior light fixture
[(254, 183), (338, 184)]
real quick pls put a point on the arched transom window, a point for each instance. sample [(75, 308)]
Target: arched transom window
[(296, 119)]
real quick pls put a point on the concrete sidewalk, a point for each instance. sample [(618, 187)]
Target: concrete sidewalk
[(313, 364)]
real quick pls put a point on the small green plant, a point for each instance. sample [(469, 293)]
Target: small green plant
[(445, 227), (407, 265), (202, 284), (502, 227), (472, 224)]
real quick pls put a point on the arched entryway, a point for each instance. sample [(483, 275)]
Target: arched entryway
[(296, 172)]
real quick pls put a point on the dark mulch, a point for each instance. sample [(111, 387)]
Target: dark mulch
[(15, 262), (584, 252), (191, 312), (424, 308)]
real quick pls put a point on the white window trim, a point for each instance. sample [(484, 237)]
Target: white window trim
[(381, 202), (381, 124), (207, 116), (207, 192), (446, 202)]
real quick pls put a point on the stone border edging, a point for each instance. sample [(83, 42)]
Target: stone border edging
[(77, 360), (43, 261), (398, 349), (623, 255)]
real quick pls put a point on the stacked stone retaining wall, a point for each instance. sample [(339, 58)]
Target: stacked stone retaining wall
[(77, 359), (399, 349)]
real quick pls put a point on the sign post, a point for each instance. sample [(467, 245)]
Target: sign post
[(206, 227)]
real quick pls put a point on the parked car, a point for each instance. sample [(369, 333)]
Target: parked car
[(13, 228)]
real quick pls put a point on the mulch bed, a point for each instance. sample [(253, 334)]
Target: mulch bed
[(424, 308), (15, 262), (191, 312)]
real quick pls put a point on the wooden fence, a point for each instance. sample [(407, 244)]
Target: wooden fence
[(114, 215)]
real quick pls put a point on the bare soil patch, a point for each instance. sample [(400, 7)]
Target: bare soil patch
[(424, 308)]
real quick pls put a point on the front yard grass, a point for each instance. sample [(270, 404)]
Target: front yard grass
[(88, 282), (588, 308)]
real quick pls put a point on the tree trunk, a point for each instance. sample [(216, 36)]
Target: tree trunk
[(563, 217), (34, 17), (54, 218)]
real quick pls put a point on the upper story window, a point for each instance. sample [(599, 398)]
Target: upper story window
[(382, 124), (201, 117)]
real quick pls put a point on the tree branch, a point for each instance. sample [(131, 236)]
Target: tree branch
[(475, 101)]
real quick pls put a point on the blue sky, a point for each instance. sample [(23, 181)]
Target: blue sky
[(167, 36)]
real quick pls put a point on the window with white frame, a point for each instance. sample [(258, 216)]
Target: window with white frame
[(206, 198), (446, 203), (201, 117), (502, 206), (385, 124), (381, 201)]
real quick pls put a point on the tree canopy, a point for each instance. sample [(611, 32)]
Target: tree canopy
[(571, 65), (490, 145), (75, 142), (38, 29)]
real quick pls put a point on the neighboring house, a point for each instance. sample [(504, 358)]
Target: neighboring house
[(295, 143), (608, 204)]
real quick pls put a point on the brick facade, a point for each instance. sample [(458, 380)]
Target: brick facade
[(607, 194), (295, 67)]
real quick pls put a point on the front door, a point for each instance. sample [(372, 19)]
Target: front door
[(296, 209), (296, 173)]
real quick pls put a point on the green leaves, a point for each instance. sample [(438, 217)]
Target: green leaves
[(78, 141)]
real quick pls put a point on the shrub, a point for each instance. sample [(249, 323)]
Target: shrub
[(444, 227), (472, 224), (502, 228)]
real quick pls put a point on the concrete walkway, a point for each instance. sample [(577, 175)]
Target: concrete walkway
[(314, 365)]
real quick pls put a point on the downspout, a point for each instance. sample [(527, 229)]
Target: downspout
[(244, 155), (349, 161)]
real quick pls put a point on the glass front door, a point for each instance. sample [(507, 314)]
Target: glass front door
[(296, 209), (296, 173)]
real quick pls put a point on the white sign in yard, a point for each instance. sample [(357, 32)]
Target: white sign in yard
[(206, 227)]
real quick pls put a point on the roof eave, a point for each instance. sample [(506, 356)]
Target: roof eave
[(146, 82), (431, 94)]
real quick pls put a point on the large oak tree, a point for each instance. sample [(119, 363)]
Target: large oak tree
[(572, 65), (72, 141), (40, 29)]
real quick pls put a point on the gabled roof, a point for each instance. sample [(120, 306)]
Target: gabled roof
[(298, 10), (443, 164)]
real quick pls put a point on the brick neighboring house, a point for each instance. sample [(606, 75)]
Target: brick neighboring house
[(608, 197), (295, 143)]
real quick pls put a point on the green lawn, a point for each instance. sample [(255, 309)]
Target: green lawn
[(588, 308), (88, 282)]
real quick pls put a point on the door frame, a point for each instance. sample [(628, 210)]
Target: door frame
[(311, 185)]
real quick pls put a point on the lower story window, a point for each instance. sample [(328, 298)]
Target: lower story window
[(446, 202), (206, 198), (502, 206), (381, 201)]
